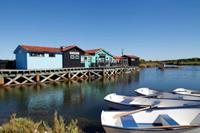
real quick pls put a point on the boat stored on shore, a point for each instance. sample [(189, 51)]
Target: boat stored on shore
[(152, 121)]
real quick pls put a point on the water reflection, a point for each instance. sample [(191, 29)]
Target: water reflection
[(41, 103)]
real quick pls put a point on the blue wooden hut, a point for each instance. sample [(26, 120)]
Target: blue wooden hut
[(37, 57)]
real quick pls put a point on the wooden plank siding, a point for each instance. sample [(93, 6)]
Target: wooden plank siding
[(69, 62)]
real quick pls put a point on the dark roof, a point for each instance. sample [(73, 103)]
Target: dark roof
[(40, 49), (70, 47), (130, 56)]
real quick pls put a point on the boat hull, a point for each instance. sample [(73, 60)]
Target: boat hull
[(121, 130)]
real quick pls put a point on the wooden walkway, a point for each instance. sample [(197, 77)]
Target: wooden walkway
[(21, 77)]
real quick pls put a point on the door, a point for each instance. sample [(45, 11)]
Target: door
[(87, 60)]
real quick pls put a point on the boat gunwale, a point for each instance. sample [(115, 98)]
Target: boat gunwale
[(151, 129), (173, 93), (155, 97), (126, 104), (156, 108), (138, 105)]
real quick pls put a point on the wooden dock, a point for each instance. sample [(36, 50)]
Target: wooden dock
[(21, 77)]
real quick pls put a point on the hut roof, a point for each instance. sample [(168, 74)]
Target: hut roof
[(93, 51), (43, 49), (70, 47), (131, 56), (117, 57), (40, 49)]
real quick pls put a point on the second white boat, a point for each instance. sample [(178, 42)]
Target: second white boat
[(167, 95), (129, 102), (184, 91)]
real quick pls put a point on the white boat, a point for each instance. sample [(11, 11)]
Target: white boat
[(148, 92), (129, 102), (167, 95), (152, 121), (125, 102), (184, 91)]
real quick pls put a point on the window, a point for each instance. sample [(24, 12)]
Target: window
[(35, 54), (82, 59), (77, 57), (20, 51), (74, 56), (102, 55), (52, 55), (71, 56)]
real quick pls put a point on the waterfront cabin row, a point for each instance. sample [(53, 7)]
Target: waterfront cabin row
[(38, 57)]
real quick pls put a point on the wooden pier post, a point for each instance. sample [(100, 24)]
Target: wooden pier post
[(1, 80), (37, 77), (115, 71), (104, 72), (69, 75), (89, 75)]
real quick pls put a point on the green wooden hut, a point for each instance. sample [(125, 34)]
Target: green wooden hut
[(98, 58)]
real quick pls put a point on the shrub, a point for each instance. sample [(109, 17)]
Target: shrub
[(19, 125), (26, 125), (72, 127)]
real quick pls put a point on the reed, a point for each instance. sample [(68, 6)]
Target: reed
[(26, 125)]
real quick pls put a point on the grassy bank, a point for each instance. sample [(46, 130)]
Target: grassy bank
[(149, 64), (146, 64), (26, 125)]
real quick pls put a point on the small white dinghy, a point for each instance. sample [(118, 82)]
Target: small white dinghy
[(167, 95), (152, 121), (129, 102), (184, 91)]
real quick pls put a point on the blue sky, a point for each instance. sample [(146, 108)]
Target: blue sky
[(151, 29)]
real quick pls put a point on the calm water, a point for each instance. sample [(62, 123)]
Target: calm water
[(84, 100)]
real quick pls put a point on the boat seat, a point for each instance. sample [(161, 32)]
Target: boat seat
[(127, 101), (166, 120), (128, 121), (162, 120)]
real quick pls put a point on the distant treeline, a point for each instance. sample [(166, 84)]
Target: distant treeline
[(189, 61)]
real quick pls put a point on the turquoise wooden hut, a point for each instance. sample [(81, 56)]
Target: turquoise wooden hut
[(98, 58)]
